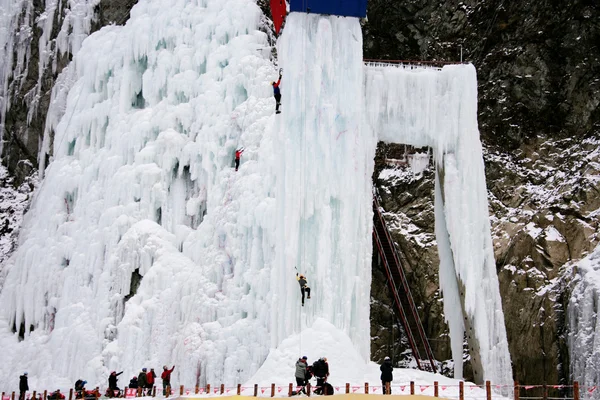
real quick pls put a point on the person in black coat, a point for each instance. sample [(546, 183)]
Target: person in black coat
[(112, 380), (23, 386), (387, 375)]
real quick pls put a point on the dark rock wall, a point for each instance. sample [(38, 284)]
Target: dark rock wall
[(539, 75)]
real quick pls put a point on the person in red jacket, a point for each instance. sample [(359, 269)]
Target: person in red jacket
[(277, 94), (150, 380), (166, 378), (238, 154)]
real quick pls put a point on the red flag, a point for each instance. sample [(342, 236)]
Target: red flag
[(423, 388), (278, 389), (527, 387), (337, 388), (444, 388), (592, 389), (402, 388), (355, 388), (278, 12), (262, 390)]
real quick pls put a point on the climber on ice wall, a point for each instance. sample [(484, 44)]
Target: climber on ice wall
[(303, 286), (238, 154), (277, 93)]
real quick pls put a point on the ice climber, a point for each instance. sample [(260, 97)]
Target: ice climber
[(303, 287), (277, 94), (166, 378), (320, 369), (301, 365), (238, 154), (150, 376), (23, 386), (386, 374)]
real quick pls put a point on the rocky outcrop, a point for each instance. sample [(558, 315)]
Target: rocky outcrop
[(539, 75), (545, 213)]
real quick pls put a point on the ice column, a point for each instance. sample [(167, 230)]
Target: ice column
[(324, 198), (438, 108)]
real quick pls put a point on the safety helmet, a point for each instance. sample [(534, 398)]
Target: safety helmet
[(84, 382), (305, 358), (387, 358), (144, 370), (25, 373), (272, 83)]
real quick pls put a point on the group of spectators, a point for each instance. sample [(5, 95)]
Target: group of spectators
[(144, 381)]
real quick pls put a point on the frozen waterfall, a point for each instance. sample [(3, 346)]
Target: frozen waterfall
[(143, 246)]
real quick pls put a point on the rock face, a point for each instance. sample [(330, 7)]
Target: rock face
[(539, 72)]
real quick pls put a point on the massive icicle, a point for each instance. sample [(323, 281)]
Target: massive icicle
[(325, 173), (438, 108)]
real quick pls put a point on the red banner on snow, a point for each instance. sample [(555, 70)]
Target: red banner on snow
[(278, 12), (130, 393)]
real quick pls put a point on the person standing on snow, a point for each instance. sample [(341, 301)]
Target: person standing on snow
[(387, 375), (238, 154), (320, 369), (277, 94), (142, 380), (23, 386), (112, 380), (150, 376), (301, 365), (166, 378), (303, 286)]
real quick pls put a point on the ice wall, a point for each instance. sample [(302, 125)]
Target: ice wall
[(438, 108), (326, 166), (584, 325), (142, 185), (143, 246)]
